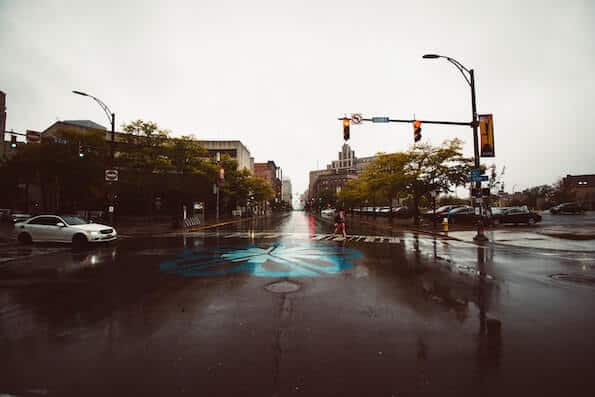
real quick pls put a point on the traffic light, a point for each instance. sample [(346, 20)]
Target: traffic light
[(346, 129), (416, 130), (81, 151), (221, 176), (13, 141)]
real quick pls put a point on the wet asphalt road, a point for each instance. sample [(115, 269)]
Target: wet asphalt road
[(277, 307)]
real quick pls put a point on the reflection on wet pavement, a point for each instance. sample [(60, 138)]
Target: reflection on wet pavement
[(413, 316)]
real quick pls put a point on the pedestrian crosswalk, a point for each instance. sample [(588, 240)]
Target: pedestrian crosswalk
[(292, 236)]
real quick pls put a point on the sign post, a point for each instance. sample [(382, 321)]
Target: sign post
[(111, 175)]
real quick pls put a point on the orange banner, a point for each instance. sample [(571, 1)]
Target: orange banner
[(486, 132)]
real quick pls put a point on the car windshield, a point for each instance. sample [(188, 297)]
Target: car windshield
[(497, 210), (443, 208), (74, 220)]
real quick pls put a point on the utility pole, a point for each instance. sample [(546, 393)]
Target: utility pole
[(217, 159)]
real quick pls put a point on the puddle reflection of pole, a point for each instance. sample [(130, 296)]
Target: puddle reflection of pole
[(490, 337), (481, 299)]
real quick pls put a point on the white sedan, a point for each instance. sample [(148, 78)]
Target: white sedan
[(63, 229)]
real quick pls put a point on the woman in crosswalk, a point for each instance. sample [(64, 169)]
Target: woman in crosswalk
[(340, 223)]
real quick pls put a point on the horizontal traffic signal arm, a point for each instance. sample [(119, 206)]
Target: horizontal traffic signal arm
[(465, 123)]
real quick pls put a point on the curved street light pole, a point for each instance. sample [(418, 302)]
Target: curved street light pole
[(112, 118), (474, 123)]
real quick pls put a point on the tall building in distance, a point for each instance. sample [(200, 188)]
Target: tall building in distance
[(338, 172), (286, 193)]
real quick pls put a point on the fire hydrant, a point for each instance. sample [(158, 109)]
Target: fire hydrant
[(445, 225)]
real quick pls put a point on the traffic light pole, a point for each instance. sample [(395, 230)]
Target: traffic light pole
[(111, 201), (474, 123), (480, 236)]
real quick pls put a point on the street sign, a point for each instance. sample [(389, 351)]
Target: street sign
[(110, 209), (111, 175), (475, 172), (380, 119), (198, 205), (480, 178), (356, 118)]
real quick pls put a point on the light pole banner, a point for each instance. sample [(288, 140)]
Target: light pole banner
[(486, 129)]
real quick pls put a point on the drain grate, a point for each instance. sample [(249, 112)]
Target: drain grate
[(282, 287), (575, 278)]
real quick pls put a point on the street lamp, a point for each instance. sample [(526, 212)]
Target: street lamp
[(469, 76), (112, 118)]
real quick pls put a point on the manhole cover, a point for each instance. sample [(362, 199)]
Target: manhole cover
[(575, 278), (282, 287)]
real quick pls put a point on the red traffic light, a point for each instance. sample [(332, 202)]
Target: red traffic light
[(416, 130), (346, 129)]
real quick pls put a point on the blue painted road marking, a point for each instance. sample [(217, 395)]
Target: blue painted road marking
[(276, 260)]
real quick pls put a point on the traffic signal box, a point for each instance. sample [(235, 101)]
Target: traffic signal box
[(13, 141), (416, 130), (346, 129)]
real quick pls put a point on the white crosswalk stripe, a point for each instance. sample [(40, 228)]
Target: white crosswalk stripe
[(292, 236)]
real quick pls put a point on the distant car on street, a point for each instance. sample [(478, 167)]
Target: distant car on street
[(328, 212), (566, 208), (18, 217), (62, 229), (401, 212), (5, 215), (383, 211), (515, 215), (441, 212), (462, 215)]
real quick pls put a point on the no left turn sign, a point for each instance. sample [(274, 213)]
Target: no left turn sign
[(356, 118)]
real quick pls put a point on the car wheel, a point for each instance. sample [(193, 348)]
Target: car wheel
[(531, 221), (79, 241), (25, 238)]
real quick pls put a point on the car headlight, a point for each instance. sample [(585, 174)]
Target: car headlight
[(94, 233)]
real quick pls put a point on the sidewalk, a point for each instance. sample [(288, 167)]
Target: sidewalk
[(565, 238), (145, 229)]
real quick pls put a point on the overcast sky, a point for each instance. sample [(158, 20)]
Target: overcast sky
[(276, 74)]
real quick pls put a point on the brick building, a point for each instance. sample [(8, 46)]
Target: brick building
[(583, 188), (272, 174)]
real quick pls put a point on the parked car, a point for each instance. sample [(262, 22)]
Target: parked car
[(441, 212), (383, 211), (328, 212), (566, 208), (401, 212), (462, 215), (63, 228), (515, 215), (18, 217), (5, 215)]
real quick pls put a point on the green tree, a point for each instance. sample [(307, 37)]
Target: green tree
[(66, 181), (417, 172)]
